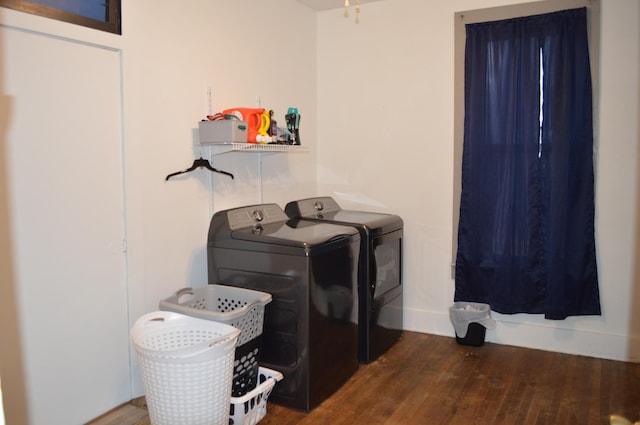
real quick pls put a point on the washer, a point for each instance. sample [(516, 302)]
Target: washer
[(310, 269), (380, 270)]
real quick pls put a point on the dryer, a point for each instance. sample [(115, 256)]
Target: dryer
[(310, 269), (380, 269)]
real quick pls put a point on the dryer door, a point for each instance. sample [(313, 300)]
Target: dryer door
[(386, 264)]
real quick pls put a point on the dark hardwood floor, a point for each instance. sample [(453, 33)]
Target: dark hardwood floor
[(428, 379)]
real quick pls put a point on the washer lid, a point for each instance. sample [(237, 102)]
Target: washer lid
[(294, 232), (268, 224)]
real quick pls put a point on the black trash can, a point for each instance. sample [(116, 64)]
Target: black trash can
[(471, 321)]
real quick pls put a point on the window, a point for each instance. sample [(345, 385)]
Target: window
[(102, 15), (525, 204), (505, 12)]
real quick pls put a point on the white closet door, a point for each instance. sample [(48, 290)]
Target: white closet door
[(64, 146)]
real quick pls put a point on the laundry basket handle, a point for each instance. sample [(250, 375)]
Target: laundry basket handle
[(175, 298), (166, 318)]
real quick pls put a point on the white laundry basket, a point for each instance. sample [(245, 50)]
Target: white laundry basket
[(187, 367), (251, 408)]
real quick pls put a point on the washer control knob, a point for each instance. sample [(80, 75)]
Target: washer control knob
[(257, 215), (318, 206)]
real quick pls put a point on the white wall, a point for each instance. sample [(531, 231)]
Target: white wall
[(170, 53), (377, 118), (173, 51), (385, 143)]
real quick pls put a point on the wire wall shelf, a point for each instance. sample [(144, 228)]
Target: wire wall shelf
[(220, 148)]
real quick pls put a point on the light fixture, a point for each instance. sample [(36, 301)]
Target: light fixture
[(346, 10)]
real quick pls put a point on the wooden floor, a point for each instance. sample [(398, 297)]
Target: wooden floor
[(427, 379)]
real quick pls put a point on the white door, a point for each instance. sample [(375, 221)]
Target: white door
[(64, 154)]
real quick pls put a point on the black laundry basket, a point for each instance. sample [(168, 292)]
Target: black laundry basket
[(471, 321)]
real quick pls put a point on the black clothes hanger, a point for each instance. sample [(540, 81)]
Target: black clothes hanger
[(200, 162)]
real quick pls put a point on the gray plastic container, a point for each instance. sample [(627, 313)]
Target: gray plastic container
[(223, 131)]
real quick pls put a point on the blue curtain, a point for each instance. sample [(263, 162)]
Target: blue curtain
[(526, 232)]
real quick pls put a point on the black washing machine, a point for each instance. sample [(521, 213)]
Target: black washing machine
[(310, 270), (380, 270)]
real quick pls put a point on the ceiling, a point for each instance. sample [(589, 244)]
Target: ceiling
[(330, 4)]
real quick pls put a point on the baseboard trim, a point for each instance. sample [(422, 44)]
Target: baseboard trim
[(551, 336)]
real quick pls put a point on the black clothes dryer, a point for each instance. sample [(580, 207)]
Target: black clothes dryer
[(310, 269), (380, 270)]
